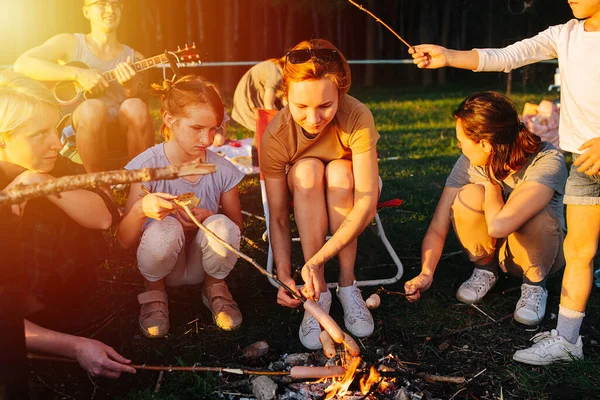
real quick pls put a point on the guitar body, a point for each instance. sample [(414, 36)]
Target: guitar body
[(68, 93)]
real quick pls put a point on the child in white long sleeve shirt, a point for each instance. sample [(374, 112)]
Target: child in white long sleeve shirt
[(576, 44)]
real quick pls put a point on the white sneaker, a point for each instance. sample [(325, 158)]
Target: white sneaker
[(309, 328), (357, 317), (549, 347), (477, 286), (531, 307)]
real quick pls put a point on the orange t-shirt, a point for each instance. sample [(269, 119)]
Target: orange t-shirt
[(352, 131)]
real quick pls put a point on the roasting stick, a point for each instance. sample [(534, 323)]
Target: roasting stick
[(381, 22), (309, 305), (296, 372)]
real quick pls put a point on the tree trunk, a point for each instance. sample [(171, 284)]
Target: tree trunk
[(339, 23), (228, 84), (445, 36), (370, 45), (189, 22), (425, 26), (289, 26), (200, 21), (265, 32), (315, 18)]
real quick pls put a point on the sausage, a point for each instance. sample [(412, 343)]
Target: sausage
[(351, 345), (328, 345), (325, 320), (299, 372), (373, 301)]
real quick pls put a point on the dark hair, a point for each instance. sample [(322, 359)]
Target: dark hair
[(187, 91), (493, 117), (337, 71)]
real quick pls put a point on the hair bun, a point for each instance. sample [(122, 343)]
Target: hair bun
[(162, 89)]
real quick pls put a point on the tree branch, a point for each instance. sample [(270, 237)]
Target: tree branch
[(94, 180)]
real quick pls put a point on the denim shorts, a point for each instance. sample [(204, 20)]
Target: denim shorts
[(582, 189)]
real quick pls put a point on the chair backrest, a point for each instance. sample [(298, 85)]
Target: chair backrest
[(263, 117)]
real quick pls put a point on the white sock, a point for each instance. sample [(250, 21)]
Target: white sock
[(569, 323)]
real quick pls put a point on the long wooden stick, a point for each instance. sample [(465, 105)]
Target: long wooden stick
[(237, 252), (90, 181), (169, 368), (381, 22)]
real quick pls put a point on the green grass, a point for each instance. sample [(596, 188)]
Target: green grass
[(417, 128)]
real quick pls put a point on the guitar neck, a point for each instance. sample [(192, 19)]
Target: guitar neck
[(138, 66)]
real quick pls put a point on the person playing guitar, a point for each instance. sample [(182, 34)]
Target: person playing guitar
[(107, 107)]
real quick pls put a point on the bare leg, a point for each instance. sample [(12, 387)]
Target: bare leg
[(340, 200), (469, 223), (136, 124), (89, 121), (306, 183), (581, 245)]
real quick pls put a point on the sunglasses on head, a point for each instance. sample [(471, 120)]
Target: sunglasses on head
[(305, 55)]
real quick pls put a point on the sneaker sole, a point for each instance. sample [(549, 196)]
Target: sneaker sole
[(465, 301), (544, 362), (527, 322)]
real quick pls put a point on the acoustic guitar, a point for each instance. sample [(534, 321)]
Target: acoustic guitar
[(70, 93)]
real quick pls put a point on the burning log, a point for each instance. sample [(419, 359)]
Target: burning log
[(328, 345)]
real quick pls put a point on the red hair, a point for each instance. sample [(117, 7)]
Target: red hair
[(337, 70)]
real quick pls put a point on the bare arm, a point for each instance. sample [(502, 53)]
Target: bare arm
[(82, 206), (431, 56), (432, 245), (41, 62), (269, 99), (528, 199), (280, 236), (230, 202), (93, 356)]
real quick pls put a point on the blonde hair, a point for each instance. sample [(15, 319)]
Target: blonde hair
[(20, 98), (187, 91)]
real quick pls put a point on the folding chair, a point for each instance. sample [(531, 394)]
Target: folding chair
[(263, 117)]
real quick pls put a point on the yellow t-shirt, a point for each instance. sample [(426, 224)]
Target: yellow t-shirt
[(352, 131)]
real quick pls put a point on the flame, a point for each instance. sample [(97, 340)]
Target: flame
[(339, 387), (367, 382)]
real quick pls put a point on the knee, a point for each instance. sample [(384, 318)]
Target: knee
[(159, 248), (339, 177), (467, 207), (218, 261), (307, 176), (134, 111), (91, 112), (224, 228), (579, 253)]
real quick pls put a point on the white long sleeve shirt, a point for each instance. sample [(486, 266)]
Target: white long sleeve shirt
[(578, 54)]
